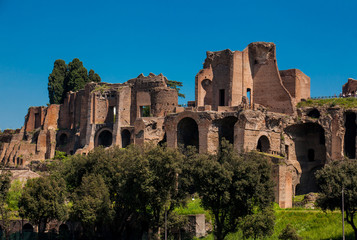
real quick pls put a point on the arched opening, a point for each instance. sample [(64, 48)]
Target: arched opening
[(249, 96), (187, 133), (350, 135), (263, 144), (27, 228), (63, 139), (226, 128), (125, 138), (63, 231), (314, 113), (310, 152), (105, 138), (207, 86)]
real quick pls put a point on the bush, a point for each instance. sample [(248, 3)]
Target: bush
[(289, 233)]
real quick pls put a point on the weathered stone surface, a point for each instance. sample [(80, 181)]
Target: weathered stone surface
[(239, 95)]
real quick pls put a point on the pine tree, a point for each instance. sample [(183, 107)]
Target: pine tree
[(56, 82)]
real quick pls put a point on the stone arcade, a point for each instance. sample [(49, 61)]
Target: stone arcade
[(241, 96)]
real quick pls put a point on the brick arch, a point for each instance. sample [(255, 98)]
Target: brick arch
[(187, 133), (103, 137), (263, 143)]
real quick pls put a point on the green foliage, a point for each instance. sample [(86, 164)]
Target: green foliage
[(43, 200), (349, 102), (65, 78), (56, 82), (132, 185), (60, 155), (289, 233), (332, 179), (232, 187), (259, 224), (5, 211), (175, 85), (192, 207), (14, 195), (91, 204)]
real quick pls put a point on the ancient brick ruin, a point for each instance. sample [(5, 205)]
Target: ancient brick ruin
[(241, 96)]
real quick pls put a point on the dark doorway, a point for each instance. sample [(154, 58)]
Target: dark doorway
[(222, 97), (187, 133), (125, 138), (27, 228), (350, 135), (263, 144), (63, 139), (226, 128), (105, 138), (310, 151)]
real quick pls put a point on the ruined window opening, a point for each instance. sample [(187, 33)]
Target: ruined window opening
[(125, 138), (311, 155), (110, 115), (263, 144), (350, 135), (248, 96), (105, 138), (145, 111), (37, 120), (287, 151), (221, 97), (187, 133), (63, 140), (226, 128)]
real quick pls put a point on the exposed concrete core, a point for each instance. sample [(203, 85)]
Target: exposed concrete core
[(310, 150), (125, 138), (187, 133), (350, 135), (263, 144)]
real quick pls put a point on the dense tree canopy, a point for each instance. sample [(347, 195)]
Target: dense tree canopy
[(332, 179), (5, 184), (125, 193), (233, 187), (43, 200), (65, 78)]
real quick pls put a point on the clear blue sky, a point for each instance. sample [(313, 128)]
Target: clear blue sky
[(121, 39)]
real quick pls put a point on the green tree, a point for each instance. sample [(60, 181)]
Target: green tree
[(151, 184), (5, 211), (91, 205), (43, 200), (56, 82), (259, 224), (93, 77), (65, 78), (331, 179), (232, 186), (175, 85)]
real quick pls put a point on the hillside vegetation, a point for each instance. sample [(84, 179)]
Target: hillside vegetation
[(350, 102)]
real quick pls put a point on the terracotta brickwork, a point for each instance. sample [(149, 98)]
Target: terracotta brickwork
[(240, 96)]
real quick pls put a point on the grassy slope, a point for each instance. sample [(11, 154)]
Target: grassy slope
[(350, 102), (310, 224)]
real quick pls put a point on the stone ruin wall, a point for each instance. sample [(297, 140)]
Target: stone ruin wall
[(300, 141)]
